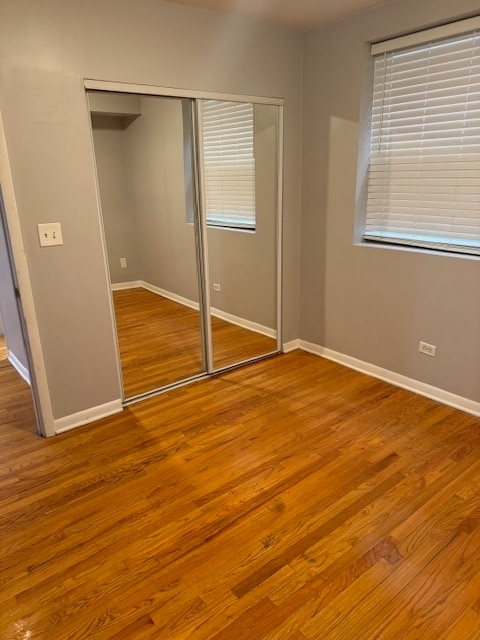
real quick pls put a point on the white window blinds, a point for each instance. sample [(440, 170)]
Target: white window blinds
[(424, 174), (229, 164)]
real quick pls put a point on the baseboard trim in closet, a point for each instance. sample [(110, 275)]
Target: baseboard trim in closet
[(88, 415), (245, 324), (170, 296), (120, 286)]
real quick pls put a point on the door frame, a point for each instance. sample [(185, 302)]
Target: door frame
[(24, 294)]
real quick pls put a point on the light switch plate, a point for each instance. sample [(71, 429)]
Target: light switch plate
[(50, 234)]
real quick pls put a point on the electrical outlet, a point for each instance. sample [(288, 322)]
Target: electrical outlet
[(427, 349), (123, 263), (50, 234), (217, 287)]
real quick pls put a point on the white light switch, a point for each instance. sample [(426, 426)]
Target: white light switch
[(50, 234)]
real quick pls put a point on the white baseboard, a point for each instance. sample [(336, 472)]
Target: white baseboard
[(291, 346), (89, 415), (245, 324), (170, 296), (423, 389), (19, 367), (218, 313), (134, 284)]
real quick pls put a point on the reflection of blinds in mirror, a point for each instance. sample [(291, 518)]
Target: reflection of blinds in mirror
[(229, 163)]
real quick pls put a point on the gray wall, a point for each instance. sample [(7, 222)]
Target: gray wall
[(117, 213), (45, 52), (12, 328), (155, 162), (368, 302), (371, 303), (147, 221)]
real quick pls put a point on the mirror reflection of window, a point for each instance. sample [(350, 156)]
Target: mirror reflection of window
[(229, 163), (240, 152)]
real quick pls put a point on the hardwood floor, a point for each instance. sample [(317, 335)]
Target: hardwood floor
[(291, 499), (17, 415), (3, 349), (160, 341), (232, 344)]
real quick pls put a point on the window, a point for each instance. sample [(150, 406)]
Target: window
[(424, 172), (229, 163)]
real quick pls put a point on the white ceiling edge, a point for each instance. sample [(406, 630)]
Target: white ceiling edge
[(301, 15)]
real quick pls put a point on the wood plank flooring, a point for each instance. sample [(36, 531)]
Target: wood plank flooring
[(291, 499), (160, 341), (3, 349), (17, 415)]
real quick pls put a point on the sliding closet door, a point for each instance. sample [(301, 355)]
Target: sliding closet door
[(145, 166), (240, 167)]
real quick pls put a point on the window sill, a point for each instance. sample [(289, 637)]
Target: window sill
[(418, 250), (221, 227)]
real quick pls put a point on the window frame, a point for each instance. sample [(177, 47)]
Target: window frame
[(452, 244)]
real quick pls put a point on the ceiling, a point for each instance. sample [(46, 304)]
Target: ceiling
[(297, 14)]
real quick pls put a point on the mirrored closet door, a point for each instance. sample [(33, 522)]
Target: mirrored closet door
[(239, 147), (144, 157), (190, 205)]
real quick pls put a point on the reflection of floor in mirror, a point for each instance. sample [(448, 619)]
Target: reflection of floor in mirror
[(160, 341), (232, 343), (3, 348), (17, 415)]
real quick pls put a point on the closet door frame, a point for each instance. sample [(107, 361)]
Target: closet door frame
[(201, 235)]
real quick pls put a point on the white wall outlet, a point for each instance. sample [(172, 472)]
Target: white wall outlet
[(216, 287), (123, 263), (50, 234), (427, 349)]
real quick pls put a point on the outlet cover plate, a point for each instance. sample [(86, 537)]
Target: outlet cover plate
[(427, 349)]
